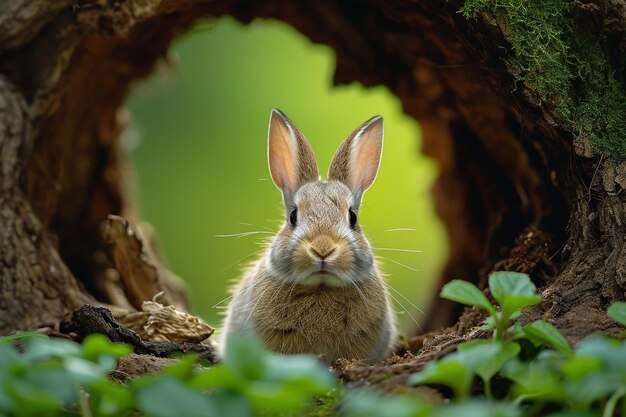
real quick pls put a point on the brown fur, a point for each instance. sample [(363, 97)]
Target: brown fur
[(343, 322)]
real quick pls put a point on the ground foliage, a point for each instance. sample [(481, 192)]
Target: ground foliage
[(523, 370)]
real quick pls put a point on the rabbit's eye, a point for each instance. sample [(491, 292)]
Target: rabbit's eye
[(293, 217), (352, 215)]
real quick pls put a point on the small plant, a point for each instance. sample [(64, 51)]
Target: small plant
[(586, 381), (512, 290), (251, 380), (52, 377), (482, 358), (369, 403)]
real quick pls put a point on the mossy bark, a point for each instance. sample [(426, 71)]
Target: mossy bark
[(520, 188)]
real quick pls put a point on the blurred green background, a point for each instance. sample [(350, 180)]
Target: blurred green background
[(198, 145)]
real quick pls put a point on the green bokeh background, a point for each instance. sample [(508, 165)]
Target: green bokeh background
[(198, 145)]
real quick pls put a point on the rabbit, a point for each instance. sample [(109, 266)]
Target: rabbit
[(317, 288)]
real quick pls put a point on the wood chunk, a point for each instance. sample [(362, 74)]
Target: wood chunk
[(140, 272), (159, 323)]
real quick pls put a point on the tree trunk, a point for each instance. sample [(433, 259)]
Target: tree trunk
[(530, 146)]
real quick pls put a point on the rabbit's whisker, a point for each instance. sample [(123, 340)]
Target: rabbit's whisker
[(401, 229), (360, 291), (217, 305), (267, 325), (257, 225), (399, 249), (288, 298), (406, 311), (247, 291), (398, 263), (244, 234), (404, 298), (278, 290), (255, 304), (242, 259)]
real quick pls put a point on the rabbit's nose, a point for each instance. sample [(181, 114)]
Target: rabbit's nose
[(322, 247)]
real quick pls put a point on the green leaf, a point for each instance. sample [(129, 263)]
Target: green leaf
[(610, 351), (617, 311), (7, 405), (183, 368), (21, 335), (486, 357), (303, 371), (52, 380), (369, 403), (490, 323), (10, 360), (267, 382), (478, 408), (448, 371), (513, 291), (246, 357), (577, 367), (536, 379), (542, 332), (288, 383), (39, 348), (267, 397), (504, 283), (218, 376), (582, 393), (97, 345), (466, 293), (110, 399), (30, 400), (83, 372), (166, 397), (230, 404)]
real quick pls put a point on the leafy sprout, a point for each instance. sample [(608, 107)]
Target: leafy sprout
[(512, 290), (585, 381), (54, 377)]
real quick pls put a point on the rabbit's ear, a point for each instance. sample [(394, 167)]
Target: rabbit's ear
[(356, 161), (291, 159)]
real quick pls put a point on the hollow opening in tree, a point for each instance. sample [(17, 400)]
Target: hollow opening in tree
[(198, 134)]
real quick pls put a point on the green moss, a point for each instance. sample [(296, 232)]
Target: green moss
[(564, 69)]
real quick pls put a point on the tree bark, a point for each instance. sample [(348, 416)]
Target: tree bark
[(520, 188)]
